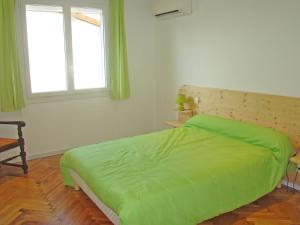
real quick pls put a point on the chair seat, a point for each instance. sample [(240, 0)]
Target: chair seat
[(8, 143)]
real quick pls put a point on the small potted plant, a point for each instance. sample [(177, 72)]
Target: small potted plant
[(181, 100), (184, 107), (184, 103)]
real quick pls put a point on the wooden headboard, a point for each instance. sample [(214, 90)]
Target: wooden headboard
[(278, 112)]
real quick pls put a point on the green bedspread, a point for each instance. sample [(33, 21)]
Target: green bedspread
[(182, 176)]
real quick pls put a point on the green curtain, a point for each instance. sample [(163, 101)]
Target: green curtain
[(119, 81), (11, 91)]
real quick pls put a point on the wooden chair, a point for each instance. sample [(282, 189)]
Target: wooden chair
[(7, 144)]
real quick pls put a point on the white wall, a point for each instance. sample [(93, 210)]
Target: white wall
[(250, 45), (244, 45), (60, 125)]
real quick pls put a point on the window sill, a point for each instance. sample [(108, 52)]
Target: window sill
[(67, 96)]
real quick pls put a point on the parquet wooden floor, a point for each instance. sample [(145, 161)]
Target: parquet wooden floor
[(41, 198)]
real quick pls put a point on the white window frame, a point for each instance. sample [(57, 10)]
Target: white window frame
[(71, 92)]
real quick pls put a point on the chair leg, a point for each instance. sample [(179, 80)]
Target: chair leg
[(23, 157)]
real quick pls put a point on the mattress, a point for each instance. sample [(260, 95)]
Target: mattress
[(180, 176)]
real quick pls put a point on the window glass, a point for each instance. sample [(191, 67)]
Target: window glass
[(46, 48), (88, 48)]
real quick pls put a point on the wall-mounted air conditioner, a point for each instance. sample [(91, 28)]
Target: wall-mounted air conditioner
[(170, 8)]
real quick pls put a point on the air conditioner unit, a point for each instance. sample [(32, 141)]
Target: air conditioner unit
[(170, 8)]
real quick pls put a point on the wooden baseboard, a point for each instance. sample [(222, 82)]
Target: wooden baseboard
[(45, 154)]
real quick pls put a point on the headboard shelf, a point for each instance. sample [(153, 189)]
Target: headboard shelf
[(278, 112)]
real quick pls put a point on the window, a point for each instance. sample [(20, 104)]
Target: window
[(66, 46)]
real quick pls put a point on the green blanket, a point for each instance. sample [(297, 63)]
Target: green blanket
[(182, 176)]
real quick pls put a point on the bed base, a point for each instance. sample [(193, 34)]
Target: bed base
[(81, 185)]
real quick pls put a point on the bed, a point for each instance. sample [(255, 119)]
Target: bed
[(180, 176)]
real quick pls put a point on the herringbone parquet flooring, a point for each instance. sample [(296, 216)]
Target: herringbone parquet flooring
[(41, 198)]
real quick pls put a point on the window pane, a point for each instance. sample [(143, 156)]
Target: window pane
[(45, 30), (88, 50)]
